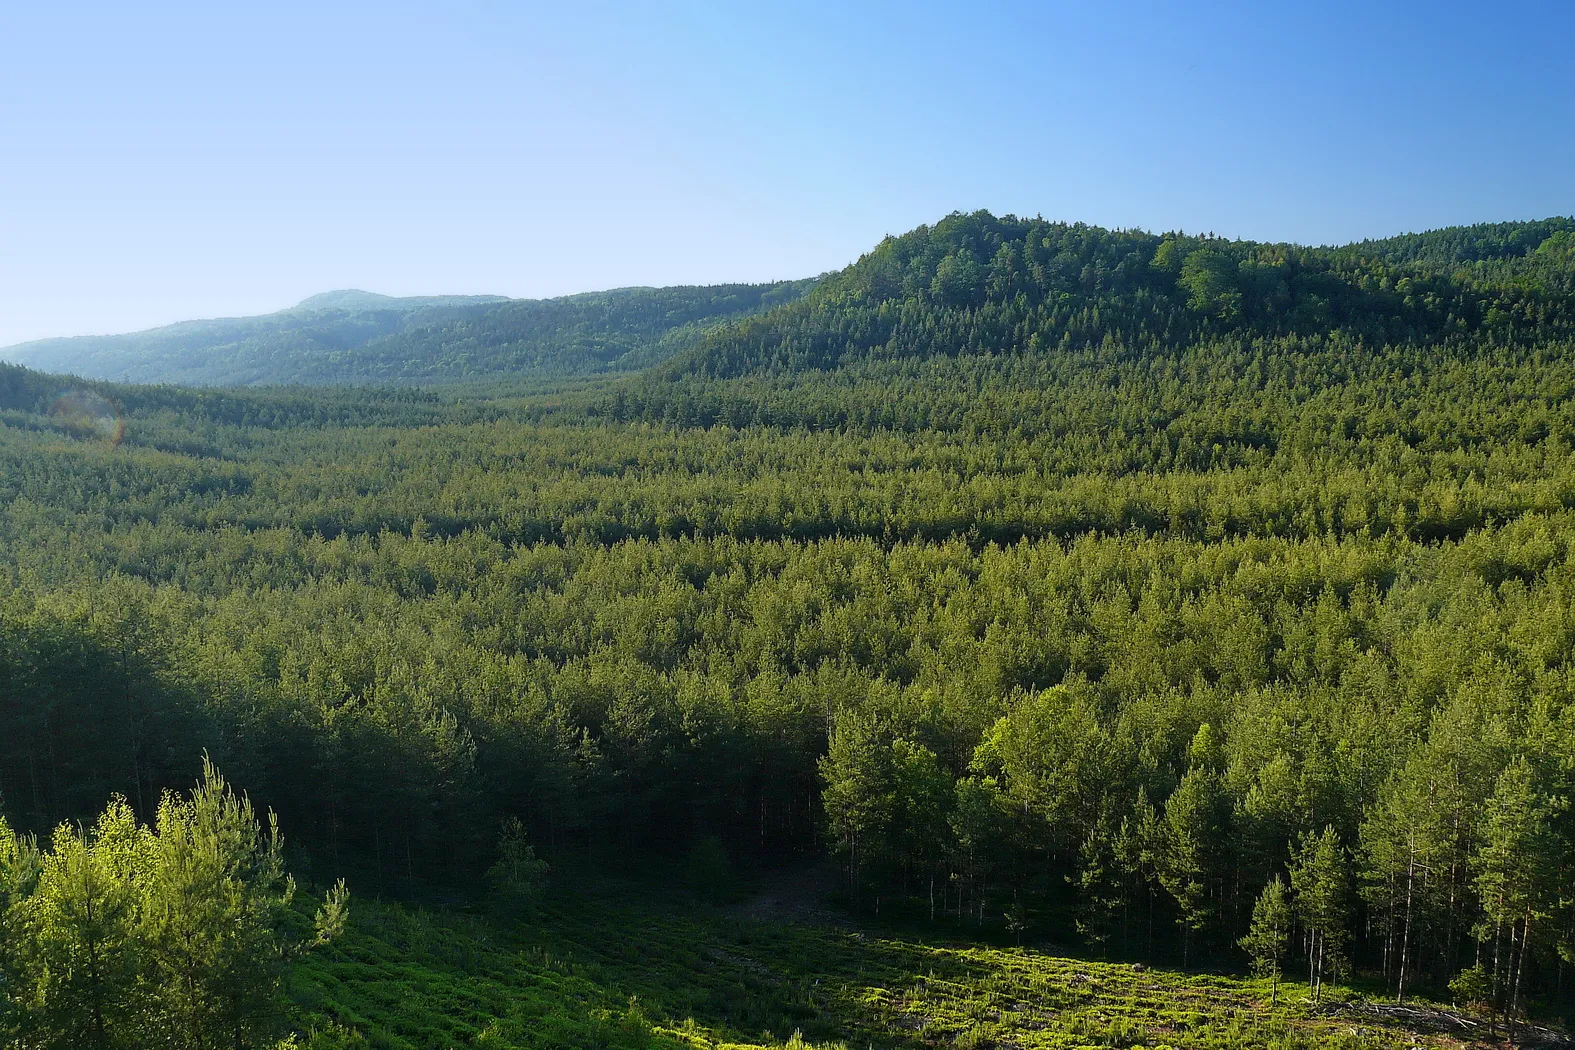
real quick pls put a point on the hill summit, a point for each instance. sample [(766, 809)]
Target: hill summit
[(979, 283)]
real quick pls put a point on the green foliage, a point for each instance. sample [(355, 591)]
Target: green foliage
[(1411, 857), (1517, 869), (20, 866), (124, 935), (328, 925), (617, 966), (861, 799), (930, 293), (1192, 829), (996, 566), (979, 825), (1472, 987), (80, 936), (1209, 278), (1457, 245), (1099, 891), (1320, 880), (1269, 935), (518, 877)]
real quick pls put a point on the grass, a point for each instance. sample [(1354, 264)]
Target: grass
[(624, 969)]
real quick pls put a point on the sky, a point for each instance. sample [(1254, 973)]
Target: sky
[(160, 162)]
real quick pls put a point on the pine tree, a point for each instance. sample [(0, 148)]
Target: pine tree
[(518, 876), (1139, 846), (81, 924), (1099, 891), (20, 864), (1404, 848), (860, 793), (215, 894), (1193, 830), (1270, 933), (923, 798), (1318, 877), (1516, 868), (978, 837)]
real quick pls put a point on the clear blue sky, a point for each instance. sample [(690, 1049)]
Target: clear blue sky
[(159, 162)]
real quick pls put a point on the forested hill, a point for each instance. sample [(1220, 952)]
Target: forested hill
[(357, 337), (978, 284), (241, 350), (1194, 602)]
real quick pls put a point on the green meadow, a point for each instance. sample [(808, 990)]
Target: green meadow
[(619, 966)]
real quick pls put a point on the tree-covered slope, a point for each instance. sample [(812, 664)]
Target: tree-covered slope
[(357, 337), (621, 330), (242, 350), (1126, 623), (1454, 246), (978, 284)]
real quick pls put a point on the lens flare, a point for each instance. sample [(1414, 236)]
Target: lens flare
[(90, 415)]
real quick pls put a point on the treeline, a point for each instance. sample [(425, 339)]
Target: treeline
[(171, 935), (1456, 246)]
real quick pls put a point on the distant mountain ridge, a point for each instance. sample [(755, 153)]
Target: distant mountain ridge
[(351, 336), (356, 299)]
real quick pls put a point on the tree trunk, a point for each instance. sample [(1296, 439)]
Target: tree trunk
[(1520, 969), (1312, 954), (1405, 935)]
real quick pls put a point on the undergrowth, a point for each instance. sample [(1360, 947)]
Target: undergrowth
[(625, 970)]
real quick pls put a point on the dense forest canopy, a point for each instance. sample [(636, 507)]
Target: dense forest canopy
[(356, 337), (980, 284), (1160, 591)]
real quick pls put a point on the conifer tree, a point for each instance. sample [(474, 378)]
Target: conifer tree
[(1098, 882), (1516, 870), (1193, 830), (978, 831), (124, 936), (1270, 933), (1404, 848), (81, 921), (518, 876), (1318, 877), (1138, 848), (19, 870), (215, 895), (923, 798), (860, 792)]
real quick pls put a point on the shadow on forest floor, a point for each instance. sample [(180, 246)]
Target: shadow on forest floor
[(618, 965)]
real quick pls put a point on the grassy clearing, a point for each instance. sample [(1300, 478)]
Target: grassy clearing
[(624, 970)]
